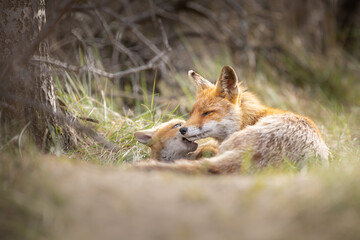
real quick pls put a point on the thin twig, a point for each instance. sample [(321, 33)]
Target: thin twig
[(150, 44), (152, 9), (164, 36), (118, 45), (145, 40), (223, 28), (81, 69), (89, 119), (140, 35)]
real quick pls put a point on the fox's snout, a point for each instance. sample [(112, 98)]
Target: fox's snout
[(183, 130)]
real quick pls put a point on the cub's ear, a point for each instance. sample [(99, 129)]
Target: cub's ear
[(145, 136), (200, 82), (227, 84)]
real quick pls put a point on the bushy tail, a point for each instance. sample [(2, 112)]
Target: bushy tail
[(223, 164)]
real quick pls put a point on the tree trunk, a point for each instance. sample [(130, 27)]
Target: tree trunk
[(27, 90)]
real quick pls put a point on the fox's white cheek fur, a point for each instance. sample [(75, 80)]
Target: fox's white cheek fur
[(219, 130), (227, 126)]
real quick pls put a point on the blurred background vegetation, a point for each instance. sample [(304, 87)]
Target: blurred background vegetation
[(309, 45), (120, 66)]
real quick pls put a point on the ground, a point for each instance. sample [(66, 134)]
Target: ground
[(112, 203)]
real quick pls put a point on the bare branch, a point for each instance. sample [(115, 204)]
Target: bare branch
[(213, 19), (118, 45), (165, 38), (81, 69), (140, 35), (145, 40)]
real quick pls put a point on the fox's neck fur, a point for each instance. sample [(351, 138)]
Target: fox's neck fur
[(251, 109)]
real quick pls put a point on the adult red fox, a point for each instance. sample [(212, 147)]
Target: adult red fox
[(237, 119), (167, 144)]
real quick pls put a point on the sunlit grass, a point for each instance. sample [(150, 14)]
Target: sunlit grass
[(97, 109)]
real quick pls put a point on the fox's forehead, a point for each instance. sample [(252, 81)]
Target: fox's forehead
[(168, 130), (170, 124), (209, 103)]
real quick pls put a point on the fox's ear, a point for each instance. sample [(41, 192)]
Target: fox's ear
[(227, 84), (201, 83), (145, 136)]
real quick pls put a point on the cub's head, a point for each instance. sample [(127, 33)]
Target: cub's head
[(216, 112), (166, 142)]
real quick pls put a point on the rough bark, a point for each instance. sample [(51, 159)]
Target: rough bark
[(27, 90)]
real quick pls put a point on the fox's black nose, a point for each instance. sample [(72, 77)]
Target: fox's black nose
[(183, 130)]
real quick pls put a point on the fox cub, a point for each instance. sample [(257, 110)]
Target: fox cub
[(243, 125), (167, 144)]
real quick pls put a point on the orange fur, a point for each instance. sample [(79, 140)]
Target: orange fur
[(237, 119), (230, 96), (166, 143)]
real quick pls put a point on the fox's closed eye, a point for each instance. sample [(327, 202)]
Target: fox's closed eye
[(177, 125), (206, 113)]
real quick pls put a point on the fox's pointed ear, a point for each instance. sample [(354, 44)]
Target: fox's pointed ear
[(201, 83), (145, 136), (227, 84)]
